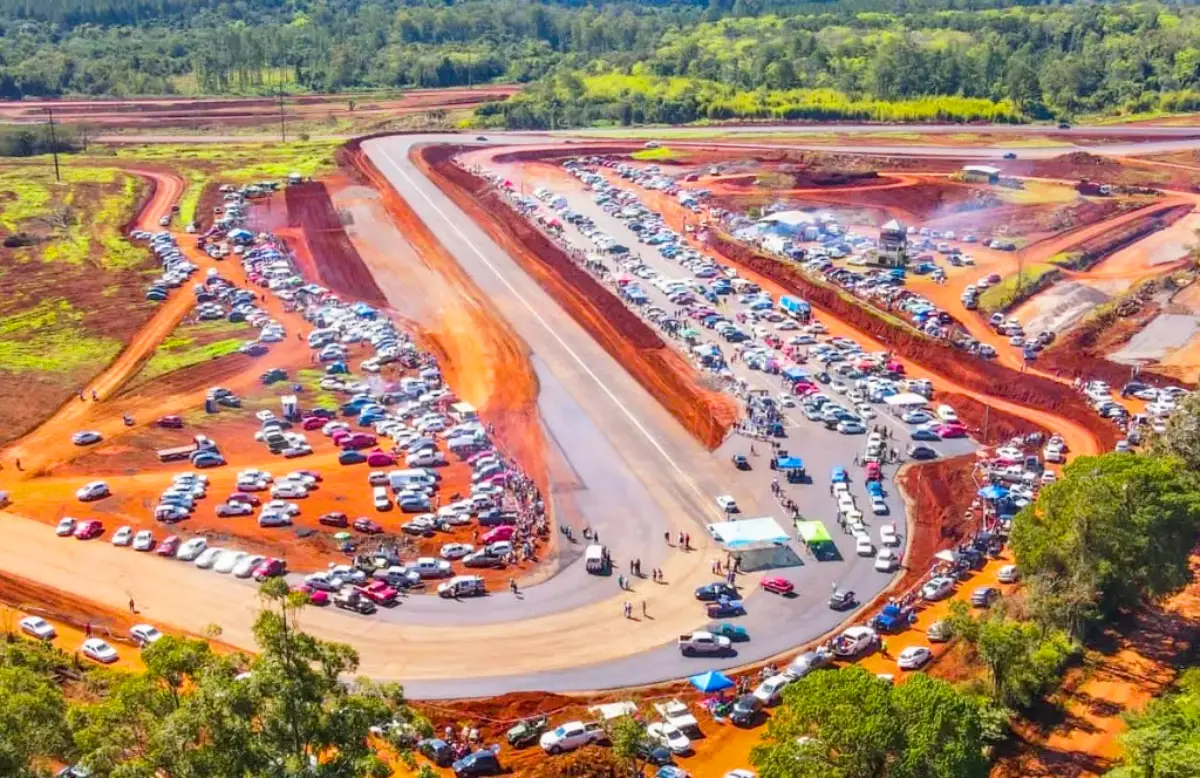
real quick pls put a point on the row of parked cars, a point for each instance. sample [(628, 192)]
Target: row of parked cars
[(176, 267)]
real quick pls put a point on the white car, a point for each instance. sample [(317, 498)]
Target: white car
[(208, 557), (281, 506), (863, 545), (770, 691), (879, 507), (887, 560), (228, 560), (347, 574), (727, 504), (323, 581), (123, 536), (65, 527), (854, 641), (914, 657), (143, 540), (290, 490), (456, 550), (98, 650), (669, 736), (144, 634), (938, 588), (245, 568), (38, 627), (888, 535), (191, 549), (1008, 574), (92, 491), (85, 438), (252, 485)]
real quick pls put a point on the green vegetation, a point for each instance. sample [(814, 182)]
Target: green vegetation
[(849, 723), (1163, 741), (49, 338), (1014, 289), (628, 62), (196, 713), (193, 344), (1114, 533), (657, 154)]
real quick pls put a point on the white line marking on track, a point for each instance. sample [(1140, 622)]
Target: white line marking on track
[(533, 311)]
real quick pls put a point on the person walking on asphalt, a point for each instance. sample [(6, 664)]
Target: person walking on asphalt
[(628, 609), (643, 609)]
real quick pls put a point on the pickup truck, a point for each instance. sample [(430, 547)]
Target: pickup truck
[(352, 600), (572, 735), (696, 643), (676, 714), (179, 453)]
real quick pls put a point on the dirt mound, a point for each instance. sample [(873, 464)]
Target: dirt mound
[(336, 261), (707, 414), (979, 375), (1084, 158), (941, 492), (590, 762), (1097, 248)]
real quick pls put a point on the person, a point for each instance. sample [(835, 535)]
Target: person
[(512, 585), (19, 463), (132, 608), (449, 734), (621, 582), (667, 537), (753, 453), (87, 628), (883, 646), (628, 609), (643, 609), (833, 586), (95, 397)]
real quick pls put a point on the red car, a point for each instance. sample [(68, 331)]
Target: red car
[(314, 596), (172, 422), (379, 593), (269, 568), (89, 529), (314, 423), (363, 524), (504, 532), (874, 472), (335, 519), (951, 431), (249, 499), (357, 441), (169, 546), (778, 585), (379, 458)]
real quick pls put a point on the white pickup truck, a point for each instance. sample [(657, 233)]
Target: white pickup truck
[(572, 735), (696, 643), (678, 715)]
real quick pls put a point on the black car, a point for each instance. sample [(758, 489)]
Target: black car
[(654, 754), (715, 591), (922, 452), (1010, 155), (746, 710), (740, 462), (841, 601), (437, 751), (478, 763)]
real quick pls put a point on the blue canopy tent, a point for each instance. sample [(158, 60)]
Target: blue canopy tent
[(993, 492), (712, 681), (794, 374)]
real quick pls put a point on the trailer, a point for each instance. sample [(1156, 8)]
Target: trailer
[(795, 306)]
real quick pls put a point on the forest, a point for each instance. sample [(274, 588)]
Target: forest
[(624, 62)]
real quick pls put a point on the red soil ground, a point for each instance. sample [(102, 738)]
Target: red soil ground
[(1097, 247), (707, 414)]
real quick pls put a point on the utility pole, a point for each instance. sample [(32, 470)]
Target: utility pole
[(282, 117), (53, 144)]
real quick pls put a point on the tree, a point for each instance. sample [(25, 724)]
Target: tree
[(1182, 436), (33, 726), (630, 743), (850, 724), (1163, 741), (1119, 528), (172, 660)]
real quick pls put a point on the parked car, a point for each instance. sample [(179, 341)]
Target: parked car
[(777, 584), (36, 626), (92, 491), (144, 635), (99, 651), (65, 527), (86, 530), (914, 657)]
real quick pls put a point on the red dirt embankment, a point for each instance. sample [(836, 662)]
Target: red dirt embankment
[(341, 268), (973, 373), (1097, 248), (706, 414), (941, 492)]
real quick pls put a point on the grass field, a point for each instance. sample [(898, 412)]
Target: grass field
[(1016, 288), (193, 343)]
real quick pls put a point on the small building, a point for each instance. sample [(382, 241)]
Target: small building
[(788, 223), (981, 174), (893, 245)]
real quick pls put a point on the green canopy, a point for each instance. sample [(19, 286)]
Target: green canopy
[(813, 532)]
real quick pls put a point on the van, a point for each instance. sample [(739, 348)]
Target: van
[(598, 561), (399, 479), (382, 501), (946, 413)]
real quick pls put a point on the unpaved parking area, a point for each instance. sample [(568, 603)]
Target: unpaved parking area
[(1166, 333)]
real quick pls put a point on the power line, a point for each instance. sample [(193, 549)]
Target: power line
[(53, 144)]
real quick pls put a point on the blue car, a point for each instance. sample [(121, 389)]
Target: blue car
[(351, 458), (924, 434), (715, 591), (874, 488), (839, 475), (724, 608)]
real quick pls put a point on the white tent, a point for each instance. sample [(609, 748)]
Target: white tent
[(906, 398), (739, 535)]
